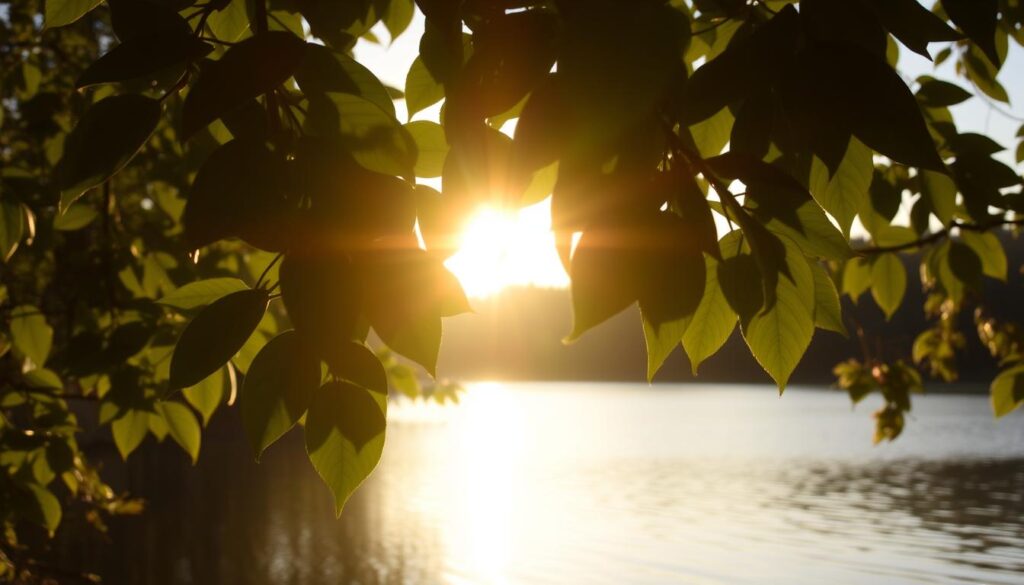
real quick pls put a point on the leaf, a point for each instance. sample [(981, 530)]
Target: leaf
[(888, 283), (30, 333), (354, 362), (431, 148), (75, 217), (746, 66), (828, 313), (129, 430), (914, 25), (240, 191), (253, 67), (398, 17), (144, 55), (421, 90), (846, 191), (207, 395), (978, 20), (1007, 391), (278, 389), (105, 139), (64, 12), (215, 335), (324, 70), (713, 321), (345, 431), (182, 426), (324, 298), (989, 250), (11, 228), (857, 274), (201, 292), (43, 507), (935, 93), (841, 89), (230, 23), (661, 340), (940, 190), (373, 136), (778, 336)]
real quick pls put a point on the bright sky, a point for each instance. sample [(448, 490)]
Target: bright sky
[(501, 249)]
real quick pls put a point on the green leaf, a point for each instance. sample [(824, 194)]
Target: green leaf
[(846, 191), (42, 507), (714, 319), (914, 25), (11, 228), (30, 334), (989, 250), (231, 22), (345, 431), (398, 17), (129, 430), (661, 340), (373, 136), (421, 90), (201, 292), (278, 389), (935, 93), (828, 313), (103, 142), (888, 282), (960, 271), (64, 12), (940, 190), (207, 395), (253, 67), (857, 274), (215, 335), (182, 426), (1007, 391), (354, 362), (75, 217), (431, 147), (778, 336)]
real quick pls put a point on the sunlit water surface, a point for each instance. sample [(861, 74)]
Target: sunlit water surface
[(600, 483)]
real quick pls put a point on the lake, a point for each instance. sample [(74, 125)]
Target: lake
[(596, 483)]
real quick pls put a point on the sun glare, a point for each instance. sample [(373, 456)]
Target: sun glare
[(508, 248)]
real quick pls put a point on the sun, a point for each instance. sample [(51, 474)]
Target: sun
[(499, 249)]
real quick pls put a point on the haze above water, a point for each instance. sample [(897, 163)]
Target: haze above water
[(599, 483)]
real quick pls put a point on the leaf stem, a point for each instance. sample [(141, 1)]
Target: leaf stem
[(939, 235)]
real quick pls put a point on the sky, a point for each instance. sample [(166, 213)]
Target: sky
[(517, 249)]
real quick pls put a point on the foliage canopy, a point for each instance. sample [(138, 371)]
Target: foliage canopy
[(208, 198)]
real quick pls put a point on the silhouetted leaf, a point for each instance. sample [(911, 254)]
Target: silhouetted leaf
[(1007, 391), (323, 295), (253, 67), (278, 389), (746, 65), (935, 93), (344, 437), (201, 292), (888, 283), (142, 56), (354, 362), (105, 139), (239, 192), (182, 426), (374, 137), (978, 20), (214, 335), (913, 24)]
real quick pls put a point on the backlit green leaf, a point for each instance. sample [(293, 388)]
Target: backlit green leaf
[(888, 282), (421, 90), (182, 426), (1007, 391), (828, 312), (11, 228), (277, 389), (207, 395), (989, 250), (431, 147), (201, 292), (64, 12), (30, 333), (129, 430), (714, 319), (344, 432), (846, 191)]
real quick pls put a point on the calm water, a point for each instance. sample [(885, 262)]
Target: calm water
[(606, 483)]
